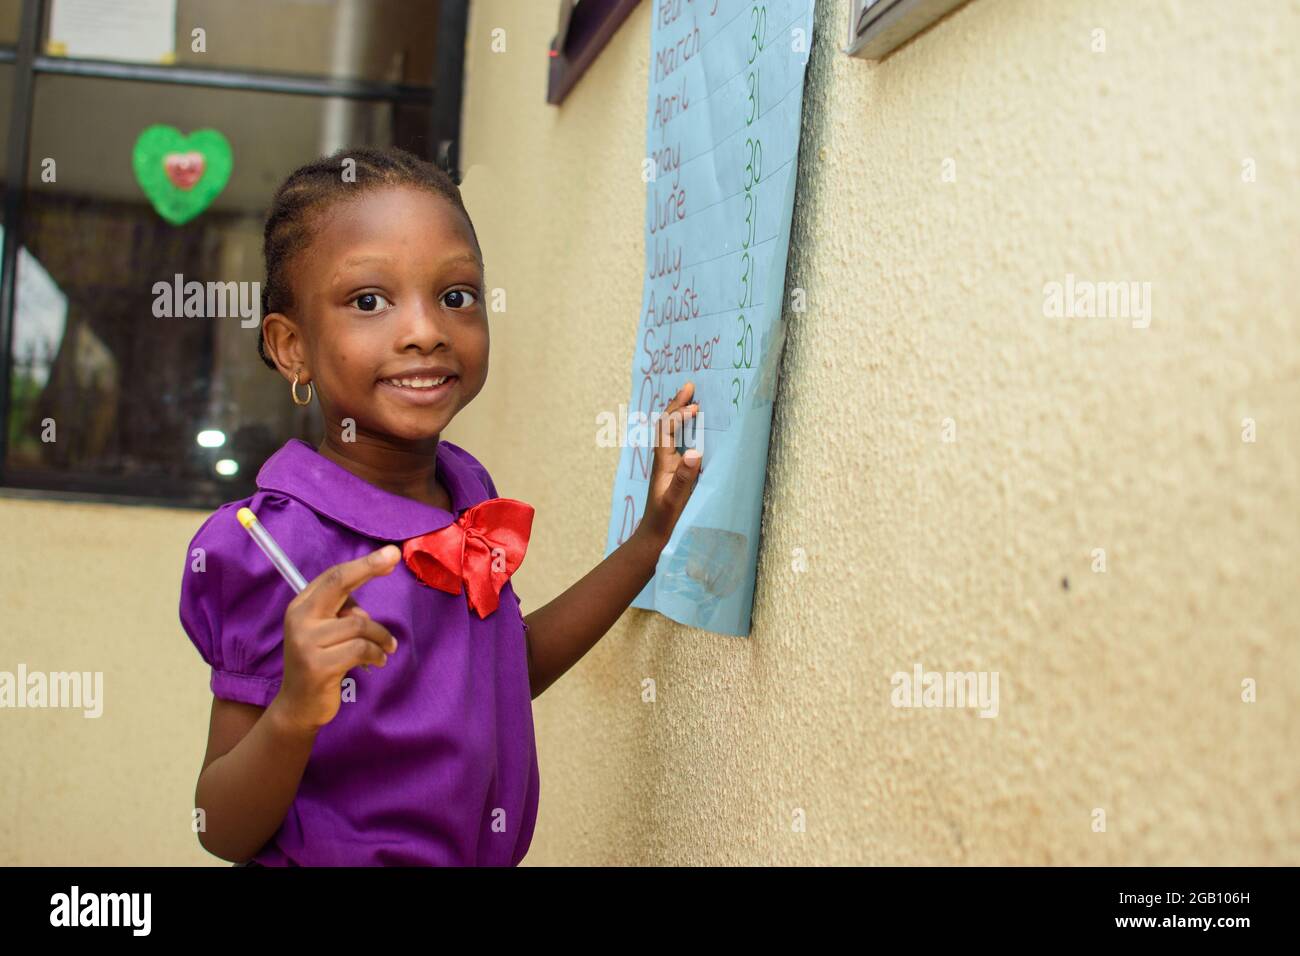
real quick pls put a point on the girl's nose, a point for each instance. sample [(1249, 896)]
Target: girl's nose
[(423, 324)]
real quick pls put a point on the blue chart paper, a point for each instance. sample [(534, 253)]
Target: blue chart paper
[(722, 141)]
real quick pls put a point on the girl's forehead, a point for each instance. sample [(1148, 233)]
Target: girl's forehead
[(394, 225), (390, 208)]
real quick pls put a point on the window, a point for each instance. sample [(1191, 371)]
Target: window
[(389, 41), (585, 27), (105, 399)]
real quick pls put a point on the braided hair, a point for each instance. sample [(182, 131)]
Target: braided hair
[(312, 188)]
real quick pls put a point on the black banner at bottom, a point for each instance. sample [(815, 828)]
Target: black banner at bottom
[(212, 904)]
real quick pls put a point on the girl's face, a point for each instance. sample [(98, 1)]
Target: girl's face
[(390, 287)]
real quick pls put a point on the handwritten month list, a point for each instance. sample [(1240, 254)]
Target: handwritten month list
[(722, 153)]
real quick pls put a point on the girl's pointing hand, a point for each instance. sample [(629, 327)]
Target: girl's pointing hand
[(326, 634), (673, 475)]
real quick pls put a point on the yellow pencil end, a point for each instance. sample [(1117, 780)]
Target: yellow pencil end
[(246, 517)]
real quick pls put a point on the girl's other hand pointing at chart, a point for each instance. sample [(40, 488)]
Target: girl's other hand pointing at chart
[(673, 475), (562, 631)]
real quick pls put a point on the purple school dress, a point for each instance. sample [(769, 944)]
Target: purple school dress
[(434, 762)]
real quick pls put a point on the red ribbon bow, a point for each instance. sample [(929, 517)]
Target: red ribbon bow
[(483, 547)]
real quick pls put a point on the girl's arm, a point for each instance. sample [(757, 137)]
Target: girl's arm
[(254, 764), (256, 757), (564, 630)]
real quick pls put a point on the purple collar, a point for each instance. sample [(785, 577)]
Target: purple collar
[(301, 472)]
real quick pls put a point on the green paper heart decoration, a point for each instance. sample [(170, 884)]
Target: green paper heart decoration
[(181, 174)]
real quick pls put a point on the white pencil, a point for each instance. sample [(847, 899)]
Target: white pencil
[(267, 544)]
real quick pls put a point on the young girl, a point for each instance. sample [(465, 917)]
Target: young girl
[(374, 304)]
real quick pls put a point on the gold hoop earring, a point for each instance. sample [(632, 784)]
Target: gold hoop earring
[(293, 390)]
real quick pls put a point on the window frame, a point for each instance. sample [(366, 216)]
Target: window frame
[(591, 25), (443, 99)]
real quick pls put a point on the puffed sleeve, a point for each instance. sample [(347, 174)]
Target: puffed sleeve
[(233, 600)]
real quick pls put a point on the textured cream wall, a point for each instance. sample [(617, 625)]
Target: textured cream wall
[(925, 303)]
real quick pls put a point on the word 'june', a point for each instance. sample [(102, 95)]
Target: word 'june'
[(181, 299)]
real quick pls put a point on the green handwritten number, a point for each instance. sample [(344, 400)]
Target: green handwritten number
[(751, 205), (736, 390), (746, 297), (744, 345), (753, 97), (759, 35), (754, 168)]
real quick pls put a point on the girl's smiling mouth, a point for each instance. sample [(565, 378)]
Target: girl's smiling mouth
[(422, 386)]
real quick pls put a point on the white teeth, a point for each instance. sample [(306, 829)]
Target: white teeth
[(416, 382)]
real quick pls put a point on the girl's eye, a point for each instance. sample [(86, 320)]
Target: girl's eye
[(464, 299), (371, 302)]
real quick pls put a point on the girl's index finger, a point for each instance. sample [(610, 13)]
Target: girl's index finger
[(682, 397), (674, 418), (332, 588)]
